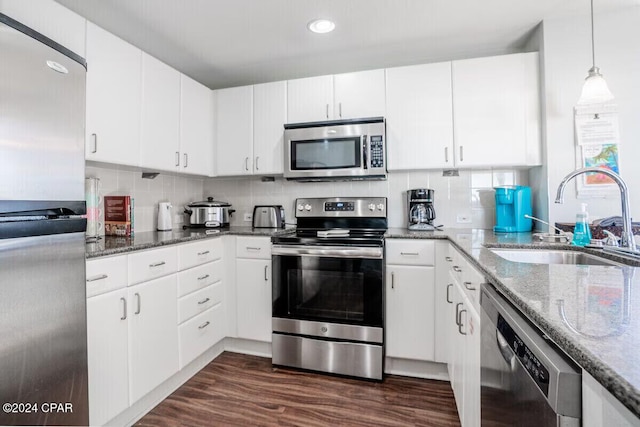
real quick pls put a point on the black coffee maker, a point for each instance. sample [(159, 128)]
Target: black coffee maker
[(420, 209)]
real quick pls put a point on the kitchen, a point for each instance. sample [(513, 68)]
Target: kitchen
[(462, 202)]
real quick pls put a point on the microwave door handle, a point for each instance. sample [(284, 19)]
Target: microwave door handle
[(365, 162)]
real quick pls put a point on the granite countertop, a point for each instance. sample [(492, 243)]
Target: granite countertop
[(601, 325), (112, 245)]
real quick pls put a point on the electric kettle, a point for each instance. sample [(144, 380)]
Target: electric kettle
[(164, 216)]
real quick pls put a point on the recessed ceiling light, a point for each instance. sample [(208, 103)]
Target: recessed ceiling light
[(321, 26)]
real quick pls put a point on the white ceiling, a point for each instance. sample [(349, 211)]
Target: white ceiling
[(224, 43)]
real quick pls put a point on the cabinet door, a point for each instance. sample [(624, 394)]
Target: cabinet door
[(310, 99), (113, 98), (253, 287), (419, 117), (153, 334), (359, 95), (410, 312), (457, 351), (160, 115), (443, 303), (471, 320), (269, 117), (196, 128), (233, 112), (497, 111), (107, 352)]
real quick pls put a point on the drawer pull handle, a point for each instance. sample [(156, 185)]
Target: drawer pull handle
[(124, 309), (204, 301), (457, 269), (449, 258), (448, 289), (157, 264), (458, 320), (468, 286), (100, 277), (253, 248), (204, 325), (138, 301), (409, 253), (460, 325), (203, 253), (206, 276)]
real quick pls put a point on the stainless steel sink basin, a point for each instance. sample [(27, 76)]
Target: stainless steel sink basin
[(550, 256)]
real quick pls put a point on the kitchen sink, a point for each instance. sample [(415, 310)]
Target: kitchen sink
[(550, 256)]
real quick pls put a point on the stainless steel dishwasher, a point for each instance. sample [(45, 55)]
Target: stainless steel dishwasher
[(526, 380)]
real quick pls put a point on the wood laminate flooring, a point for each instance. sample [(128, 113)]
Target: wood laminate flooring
[(241, 390)]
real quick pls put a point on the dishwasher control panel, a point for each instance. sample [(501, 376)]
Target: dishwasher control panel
[(529, 361)]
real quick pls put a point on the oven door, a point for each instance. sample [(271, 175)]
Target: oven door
[(329, 284)]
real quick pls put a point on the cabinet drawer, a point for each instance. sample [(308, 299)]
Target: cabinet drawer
[(199, 301), (253, 247), (197, 253), (197, 335), (472, 279), (147, 265), (106, 274), (410, 252), (199, 277)]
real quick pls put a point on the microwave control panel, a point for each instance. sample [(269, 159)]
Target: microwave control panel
[(377, 151)]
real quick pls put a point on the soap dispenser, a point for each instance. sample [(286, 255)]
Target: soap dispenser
[(581, 232)]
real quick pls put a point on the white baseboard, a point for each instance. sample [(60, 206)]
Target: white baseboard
[(254, 348), (416, 368), (157, 395)]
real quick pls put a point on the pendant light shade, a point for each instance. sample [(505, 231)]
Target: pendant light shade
[(595, 89)]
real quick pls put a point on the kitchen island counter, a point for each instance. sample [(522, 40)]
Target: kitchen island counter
[(587, 310)]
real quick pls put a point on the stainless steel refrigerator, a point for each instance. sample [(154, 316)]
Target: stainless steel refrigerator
[(43, 337)]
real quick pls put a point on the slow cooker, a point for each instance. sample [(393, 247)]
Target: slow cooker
[(208, 213)]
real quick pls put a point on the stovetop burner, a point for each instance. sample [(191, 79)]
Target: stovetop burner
[(339, 221)]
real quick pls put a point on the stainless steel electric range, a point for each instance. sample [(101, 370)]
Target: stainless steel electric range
[(328, 288)]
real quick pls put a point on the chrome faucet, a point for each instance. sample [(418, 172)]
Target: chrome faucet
[(627, 240)]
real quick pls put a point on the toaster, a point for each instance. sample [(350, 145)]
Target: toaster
[(268, 216)]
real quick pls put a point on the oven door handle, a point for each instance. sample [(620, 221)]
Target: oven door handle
[(328, 251)]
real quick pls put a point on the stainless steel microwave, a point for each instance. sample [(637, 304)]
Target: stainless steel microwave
[(335, 150)]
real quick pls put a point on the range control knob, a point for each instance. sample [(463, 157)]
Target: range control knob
[(300, 207), (372, 207), (307, 207), (380, 207)]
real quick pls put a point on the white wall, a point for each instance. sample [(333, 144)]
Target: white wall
[(470, 194), (179, 190), (567, 57)]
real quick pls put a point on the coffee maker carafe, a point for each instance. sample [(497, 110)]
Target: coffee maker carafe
[(420, 209)]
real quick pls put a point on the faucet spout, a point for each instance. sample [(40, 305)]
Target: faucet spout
[(627, 240)]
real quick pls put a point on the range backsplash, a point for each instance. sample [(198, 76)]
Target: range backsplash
[(469, 195)]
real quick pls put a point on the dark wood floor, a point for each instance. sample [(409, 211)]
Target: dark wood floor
[(241, 390)]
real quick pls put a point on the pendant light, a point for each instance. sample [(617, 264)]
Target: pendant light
[(595, 89)]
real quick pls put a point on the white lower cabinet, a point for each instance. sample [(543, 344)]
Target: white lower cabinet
[(153, 334), (410, 312), (601, 408), (107, 351), (200, 333), (409, 299), (253, 288)]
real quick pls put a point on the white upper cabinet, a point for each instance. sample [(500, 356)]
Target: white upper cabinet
[(310, 99), (113, 98), (196, 128), (233, 124), (269, 117), (343, 96), (419, 117), (160, 115), (358, 95), (496, 111)]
